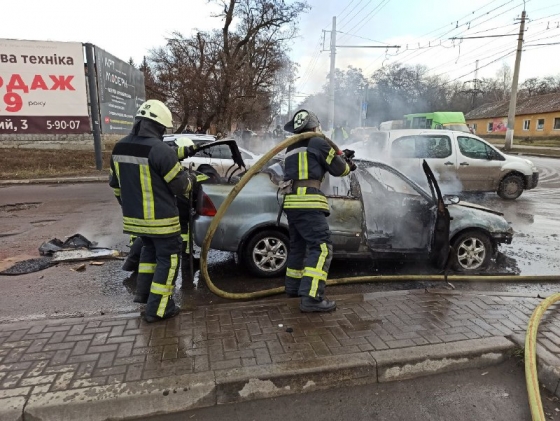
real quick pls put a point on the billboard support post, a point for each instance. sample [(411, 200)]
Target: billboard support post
[(94, 104)]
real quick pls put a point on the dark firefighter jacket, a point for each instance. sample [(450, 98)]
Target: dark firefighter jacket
[(309, 160), (146, 177)]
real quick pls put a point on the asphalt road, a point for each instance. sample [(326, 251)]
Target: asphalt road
[(496, 393), (30, 215)]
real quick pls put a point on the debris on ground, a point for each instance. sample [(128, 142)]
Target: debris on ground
[(75, 248), (28, 266), (79, 268), (74, 242), (85, 254)]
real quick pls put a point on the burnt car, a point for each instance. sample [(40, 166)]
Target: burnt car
[(376, 213)]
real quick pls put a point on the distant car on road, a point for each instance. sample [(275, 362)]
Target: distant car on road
[(376, 213), (461, 161)]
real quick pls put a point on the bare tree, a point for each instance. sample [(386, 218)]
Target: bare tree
[(232, 74)]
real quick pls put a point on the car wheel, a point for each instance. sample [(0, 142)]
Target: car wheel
[(210, 172), (472, 251), (265, 254), (511, 187)]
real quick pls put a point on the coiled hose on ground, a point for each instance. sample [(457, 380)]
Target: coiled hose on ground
[(530, 343)]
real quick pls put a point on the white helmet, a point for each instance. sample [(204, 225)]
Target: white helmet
[(184, 141), (157, 111)]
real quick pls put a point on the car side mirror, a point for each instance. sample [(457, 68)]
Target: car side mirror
[(451, 199)]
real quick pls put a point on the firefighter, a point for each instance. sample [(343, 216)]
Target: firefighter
[(147, 177), (307, 209), (184, 148)]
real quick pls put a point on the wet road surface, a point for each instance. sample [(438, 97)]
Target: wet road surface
[(494, 393), (30, 215)]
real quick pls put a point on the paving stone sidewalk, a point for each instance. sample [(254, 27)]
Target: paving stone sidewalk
[(62, 355)]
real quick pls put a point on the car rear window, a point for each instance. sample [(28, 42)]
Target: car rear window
[(422, 146)]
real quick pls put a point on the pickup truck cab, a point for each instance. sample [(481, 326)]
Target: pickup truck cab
[(462, 162)]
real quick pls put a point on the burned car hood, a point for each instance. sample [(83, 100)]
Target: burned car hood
[(482, 208)]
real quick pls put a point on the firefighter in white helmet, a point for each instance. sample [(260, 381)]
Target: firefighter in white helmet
[(147, 177)]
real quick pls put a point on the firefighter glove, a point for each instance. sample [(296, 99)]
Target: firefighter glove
[(348, 153)]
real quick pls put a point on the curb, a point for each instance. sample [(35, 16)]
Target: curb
[(548, 365), (64, 180), (141, 399)]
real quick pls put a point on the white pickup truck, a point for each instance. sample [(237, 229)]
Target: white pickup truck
[(461, 161)]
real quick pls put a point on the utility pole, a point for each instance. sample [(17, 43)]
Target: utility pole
[(330, 123), (513, 100), (290, 99), (475, 93), (331, 75), (94, 105), (363, 106)]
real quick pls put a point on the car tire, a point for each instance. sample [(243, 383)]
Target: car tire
[(472, 251), (210, 172), (260, 257), (511, 187)]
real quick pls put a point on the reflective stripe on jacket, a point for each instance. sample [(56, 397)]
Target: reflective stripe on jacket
[(310, 160)]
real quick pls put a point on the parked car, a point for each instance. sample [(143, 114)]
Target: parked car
[(376, 213), (217, 156), (198, 139), (461, 161)]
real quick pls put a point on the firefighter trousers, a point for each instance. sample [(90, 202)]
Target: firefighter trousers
[(157, 273), (310, 253)]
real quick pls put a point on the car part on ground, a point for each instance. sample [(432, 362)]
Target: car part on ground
[(74, 249)]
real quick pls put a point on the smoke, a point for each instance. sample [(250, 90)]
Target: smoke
[(106, 233)]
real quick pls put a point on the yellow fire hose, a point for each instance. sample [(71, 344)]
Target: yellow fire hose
[(531, 376), (531, 339)]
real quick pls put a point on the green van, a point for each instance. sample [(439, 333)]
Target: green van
[(448, 120)]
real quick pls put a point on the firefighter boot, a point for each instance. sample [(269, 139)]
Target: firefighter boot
[(133, 259), (151, 319), (310, 305)]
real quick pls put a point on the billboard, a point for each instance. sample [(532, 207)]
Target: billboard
[(42, 88), (121, 92)]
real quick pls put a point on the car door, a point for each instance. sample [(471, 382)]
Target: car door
[(439, 250), (398, 213), (346, 218), (408, 152), (478, 164)]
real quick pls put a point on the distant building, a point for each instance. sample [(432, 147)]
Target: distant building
[(537, 116)]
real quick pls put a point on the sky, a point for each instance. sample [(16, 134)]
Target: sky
[(422, 29)]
